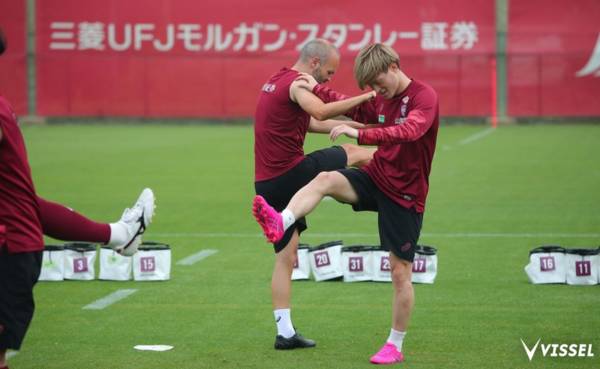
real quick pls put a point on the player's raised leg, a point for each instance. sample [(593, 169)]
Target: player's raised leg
[(274, 224)]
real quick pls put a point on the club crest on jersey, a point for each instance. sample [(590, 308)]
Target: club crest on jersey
[(403, 107), (381, 118), (268, 87)]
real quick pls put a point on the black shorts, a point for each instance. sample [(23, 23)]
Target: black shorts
[(399, 227), (279, 191), (18, 274)]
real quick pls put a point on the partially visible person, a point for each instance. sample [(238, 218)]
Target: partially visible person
[(24, 217)]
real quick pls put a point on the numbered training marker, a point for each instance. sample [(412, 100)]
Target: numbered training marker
[(53, 263), (152, 262), (547, 264), (114, 266), (79, 261), (357, 264), (326, 261), (424, 268), (582, 266)]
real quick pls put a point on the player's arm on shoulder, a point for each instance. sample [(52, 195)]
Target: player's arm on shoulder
[(0, 133), (325, 126), (419, 120), (301, 93)]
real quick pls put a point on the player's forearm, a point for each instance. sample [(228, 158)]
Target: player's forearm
[(414, 128), (317, 126), (333, 109), (328, 95)]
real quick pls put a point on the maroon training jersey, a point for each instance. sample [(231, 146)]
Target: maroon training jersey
[(20, 228), (280, 126), (405, 130)]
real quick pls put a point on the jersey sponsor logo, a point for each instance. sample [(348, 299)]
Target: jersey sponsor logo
[(400, 120), (593, 65), (269, 87)]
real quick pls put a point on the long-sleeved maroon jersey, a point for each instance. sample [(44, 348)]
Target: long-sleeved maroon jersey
[(405, 130), (20, 228)]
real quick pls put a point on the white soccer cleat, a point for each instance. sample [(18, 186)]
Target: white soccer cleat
[(135, 220), (132, 248)]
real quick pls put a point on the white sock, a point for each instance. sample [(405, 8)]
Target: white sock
[(288, 218), (284, 323), (396, 338), (118, 234)]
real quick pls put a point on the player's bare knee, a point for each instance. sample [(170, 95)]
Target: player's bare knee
[(324, 182), (287, 256), (350, 150), (358, 156), (402, 274)]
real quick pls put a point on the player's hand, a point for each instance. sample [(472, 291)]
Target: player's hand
[(308, 82), (343, 130), (372, 94)]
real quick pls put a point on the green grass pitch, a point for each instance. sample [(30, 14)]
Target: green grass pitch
[(491, 201)]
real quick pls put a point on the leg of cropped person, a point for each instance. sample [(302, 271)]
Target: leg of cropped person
[(63, 223)]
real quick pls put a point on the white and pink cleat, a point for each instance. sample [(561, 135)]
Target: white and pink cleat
[(268, 218), (388, 354)]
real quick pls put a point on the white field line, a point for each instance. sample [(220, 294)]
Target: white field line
[(194, 258), (110, 299), (477, 136), (433, 235)]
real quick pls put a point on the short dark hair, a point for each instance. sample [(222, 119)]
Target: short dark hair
[(319, 48)]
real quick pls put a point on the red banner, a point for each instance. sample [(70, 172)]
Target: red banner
[(554, 58), (13, 63), (187, 58)]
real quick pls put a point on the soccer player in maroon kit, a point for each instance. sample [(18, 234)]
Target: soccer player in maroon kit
[(403, 123), (283, 117), (24, 217)]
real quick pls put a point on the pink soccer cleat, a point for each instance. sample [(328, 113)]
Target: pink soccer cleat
[(268, 218), (388, 354)]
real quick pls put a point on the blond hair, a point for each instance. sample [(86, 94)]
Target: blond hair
[(372, 61)]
